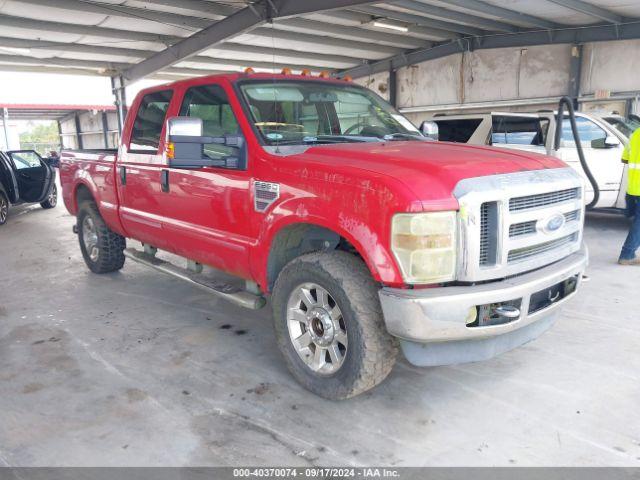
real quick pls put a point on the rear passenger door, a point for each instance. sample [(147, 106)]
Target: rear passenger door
[(208, 211), (139, 167)]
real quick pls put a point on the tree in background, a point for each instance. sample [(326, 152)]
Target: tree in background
[(41, 137)]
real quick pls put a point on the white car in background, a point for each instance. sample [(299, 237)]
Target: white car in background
[(603, 137)]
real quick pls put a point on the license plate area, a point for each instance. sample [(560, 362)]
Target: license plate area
[(551, 295)]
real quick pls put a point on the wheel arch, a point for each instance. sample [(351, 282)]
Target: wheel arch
[(297, 237), (81, 193)]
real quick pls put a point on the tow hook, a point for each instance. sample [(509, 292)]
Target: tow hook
[(75, 228)]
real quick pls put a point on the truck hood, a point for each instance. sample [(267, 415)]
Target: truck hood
[(431, 170)]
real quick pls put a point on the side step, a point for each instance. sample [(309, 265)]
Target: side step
[(227, 292)]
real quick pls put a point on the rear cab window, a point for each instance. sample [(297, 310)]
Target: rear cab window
[(515, 130), (457, 131)]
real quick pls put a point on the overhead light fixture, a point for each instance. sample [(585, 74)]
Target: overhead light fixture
[(390, 26)]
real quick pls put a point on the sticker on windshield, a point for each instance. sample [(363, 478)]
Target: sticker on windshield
[(275, 136)]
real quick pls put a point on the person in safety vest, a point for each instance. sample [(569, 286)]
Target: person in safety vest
[(631, 156)]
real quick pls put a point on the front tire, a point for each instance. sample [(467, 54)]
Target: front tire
[(101, 247), (4, 208), (329, 325), (52, 199)]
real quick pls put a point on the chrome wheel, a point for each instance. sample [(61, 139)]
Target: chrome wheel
[(316, 328), (53, 196), (90, 238), (4, 209)]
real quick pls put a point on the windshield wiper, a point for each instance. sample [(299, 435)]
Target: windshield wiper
[(328, 139), (406, 136)]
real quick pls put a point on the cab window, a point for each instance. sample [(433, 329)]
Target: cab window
[(211, 104), (147, 127), (587, 130)]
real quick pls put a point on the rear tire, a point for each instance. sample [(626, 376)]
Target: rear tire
[(52, 199), (4, 208), (101, 247), (364, 353)]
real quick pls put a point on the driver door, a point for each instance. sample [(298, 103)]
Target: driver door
[(208, 211), (32, 175)]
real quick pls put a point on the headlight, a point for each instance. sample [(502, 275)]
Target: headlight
[(424, 245)]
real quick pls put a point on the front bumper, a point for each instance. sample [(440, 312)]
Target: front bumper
[(432, 323)]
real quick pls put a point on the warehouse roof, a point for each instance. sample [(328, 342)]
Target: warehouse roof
[(171, 39), (49, 112)]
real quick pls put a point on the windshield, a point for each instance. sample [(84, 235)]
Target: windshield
[(626, 127), (290, 112)]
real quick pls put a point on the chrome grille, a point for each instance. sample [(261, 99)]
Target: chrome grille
[(543, 199), (484, 234), (524, 228), (488, 233), (572, 216), (529, 228), (527, 252), (502, 219)]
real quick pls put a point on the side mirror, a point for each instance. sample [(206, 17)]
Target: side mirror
[(602, 143), (186, 146), (430, 129)]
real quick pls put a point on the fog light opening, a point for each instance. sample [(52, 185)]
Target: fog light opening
[(497, 313), (472, 316)]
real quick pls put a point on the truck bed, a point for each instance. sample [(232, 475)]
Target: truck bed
[(94, 169)]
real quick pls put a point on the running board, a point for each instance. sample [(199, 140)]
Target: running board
[(225, 291)]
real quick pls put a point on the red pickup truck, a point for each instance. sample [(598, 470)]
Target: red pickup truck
[(366, 235)]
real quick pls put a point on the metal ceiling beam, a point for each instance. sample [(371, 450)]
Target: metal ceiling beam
[(363, 20), (192, 24), (452, 29), (303, 25), (298, 55), (59, 27), (163, 41), (325, 61), (589, 9), (61, 62), (231, 26), (294, 8), (319, 42), (431, 10), (196, 8), (596, 33), (503, 13)]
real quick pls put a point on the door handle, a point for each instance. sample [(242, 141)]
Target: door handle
[(164, 180), (123, 175)]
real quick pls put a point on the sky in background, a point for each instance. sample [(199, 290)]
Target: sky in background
[(52, 88)]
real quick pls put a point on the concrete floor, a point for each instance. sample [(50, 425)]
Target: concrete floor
[(136, 368)]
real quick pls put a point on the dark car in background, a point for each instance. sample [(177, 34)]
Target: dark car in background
[(25, 177)]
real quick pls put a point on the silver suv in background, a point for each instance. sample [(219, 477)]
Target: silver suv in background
[(603, 137)]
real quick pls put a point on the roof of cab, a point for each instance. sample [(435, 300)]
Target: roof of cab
[(235, 76)]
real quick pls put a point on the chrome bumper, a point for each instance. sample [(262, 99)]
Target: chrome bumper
[(432, 323)]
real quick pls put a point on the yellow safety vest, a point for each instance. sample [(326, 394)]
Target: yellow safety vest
[(632, 155)]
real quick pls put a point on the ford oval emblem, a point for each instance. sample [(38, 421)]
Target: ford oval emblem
[(553, 223)]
